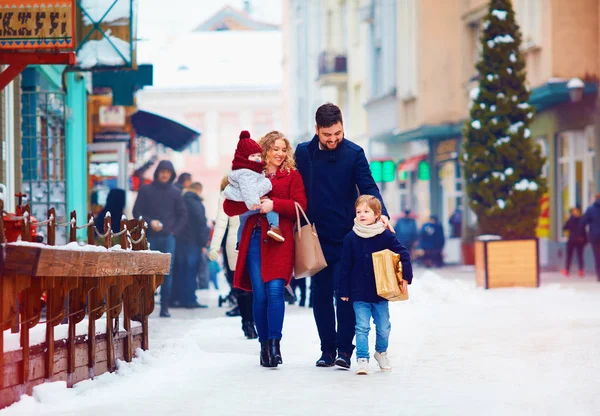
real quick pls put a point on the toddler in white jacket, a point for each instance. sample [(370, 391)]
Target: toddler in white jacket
[(248, 184)]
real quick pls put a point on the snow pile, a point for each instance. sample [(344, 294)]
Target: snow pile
[(431, 288), (476, 124), (53, 393), (500, 14), (37, 334), (474, 93), (103, 53), (501, 203), (525, 185), (501, 141), (499, 175), (514, 128)]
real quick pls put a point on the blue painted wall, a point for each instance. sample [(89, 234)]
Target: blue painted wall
[(76, 147)]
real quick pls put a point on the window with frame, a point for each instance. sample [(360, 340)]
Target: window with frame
[(407, 48), (528, 15), (43, 155)]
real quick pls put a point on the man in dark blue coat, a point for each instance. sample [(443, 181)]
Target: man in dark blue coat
[(591, 219), (334, 171), (161, 205)]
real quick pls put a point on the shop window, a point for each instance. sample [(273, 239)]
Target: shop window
[(43, 155), (575, 173)]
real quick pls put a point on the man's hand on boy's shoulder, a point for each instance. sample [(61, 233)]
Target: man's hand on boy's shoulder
[(386, 221)]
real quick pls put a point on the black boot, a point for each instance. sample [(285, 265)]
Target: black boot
[(233, 312), (274, 353), (264, 354), (249, 330)]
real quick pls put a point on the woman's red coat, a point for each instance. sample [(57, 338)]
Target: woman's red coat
[(277, 259)]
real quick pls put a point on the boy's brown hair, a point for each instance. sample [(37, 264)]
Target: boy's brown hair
[(371, 202)]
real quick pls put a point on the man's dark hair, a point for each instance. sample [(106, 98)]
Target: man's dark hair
[(328, 114), (184, 177)]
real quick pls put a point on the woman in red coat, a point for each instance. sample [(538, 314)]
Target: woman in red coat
[(264, 266)]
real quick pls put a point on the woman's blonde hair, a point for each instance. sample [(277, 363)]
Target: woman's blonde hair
[(224, 182), (371, 202), (266, 143)]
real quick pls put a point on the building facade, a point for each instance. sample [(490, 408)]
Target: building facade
[(419, 68)]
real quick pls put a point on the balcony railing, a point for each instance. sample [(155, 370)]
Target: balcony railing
[(332, 63)]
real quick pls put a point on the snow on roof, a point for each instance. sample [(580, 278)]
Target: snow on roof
[(217, 59), (103, 53), (97, 8)]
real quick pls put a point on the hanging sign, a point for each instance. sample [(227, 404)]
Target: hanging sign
[(37, 24)]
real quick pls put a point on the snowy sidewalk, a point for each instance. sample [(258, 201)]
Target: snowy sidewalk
[(456, 350)]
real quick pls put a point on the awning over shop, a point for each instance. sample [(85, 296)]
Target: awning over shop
[(412, 163), (430, 132), (554, 93), (163, 130)]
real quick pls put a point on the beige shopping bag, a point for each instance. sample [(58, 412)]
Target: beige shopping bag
[(309, 258), (388, 275)]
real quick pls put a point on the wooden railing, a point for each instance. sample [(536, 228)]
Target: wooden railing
[(112, 284)]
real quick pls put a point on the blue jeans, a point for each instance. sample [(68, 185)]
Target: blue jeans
[(184, 290), (268, 305), (164, 244), (381, 316), (272, 219)]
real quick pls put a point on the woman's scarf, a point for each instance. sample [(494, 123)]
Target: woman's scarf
[(368, 231)]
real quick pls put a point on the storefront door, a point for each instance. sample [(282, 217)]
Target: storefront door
[(575, 172), (107, 170)]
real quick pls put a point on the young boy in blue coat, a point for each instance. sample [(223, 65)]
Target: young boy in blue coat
[(357, 279)]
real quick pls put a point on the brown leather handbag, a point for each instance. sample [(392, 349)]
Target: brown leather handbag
[(309, 259)]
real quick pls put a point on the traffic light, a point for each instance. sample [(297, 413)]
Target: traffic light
[(376, 170)]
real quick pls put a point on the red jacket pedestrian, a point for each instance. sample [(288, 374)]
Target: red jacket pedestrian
[(265, 265), (277, 258)]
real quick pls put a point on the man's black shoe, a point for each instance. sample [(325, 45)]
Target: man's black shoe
[(343, 360), (326, 360)]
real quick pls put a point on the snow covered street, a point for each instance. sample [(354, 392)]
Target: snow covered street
[(456, 350)]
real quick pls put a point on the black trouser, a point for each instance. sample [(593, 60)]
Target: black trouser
[(300, 283), (244, 299), (322, 289), (596, 249), (578, 247)]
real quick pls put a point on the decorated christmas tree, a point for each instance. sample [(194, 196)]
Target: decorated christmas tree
[(502, 163)]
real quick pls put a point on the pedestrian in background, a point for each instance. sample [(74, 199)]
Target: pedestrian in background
[(161, 205), (406, 230), (576, 241), (224, 240), (191, 244)]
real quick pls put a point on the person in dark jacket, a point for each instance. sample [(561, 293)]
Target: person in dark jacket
[(115, 205), (406, 230), (334, 171), (432, 242), (191, 246), (183, 181), (591, 219), (357, 284), (161, 205), (576, 242)]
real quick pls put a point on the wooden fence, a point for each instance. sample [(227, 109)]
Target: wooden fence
[(114, 286)]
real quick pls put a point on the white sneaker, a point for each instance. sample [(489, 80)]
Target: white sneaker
[(383, 361), (363, 366)]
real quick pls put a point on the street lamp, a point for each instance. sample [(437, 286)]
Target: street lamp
[(575, 86)]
